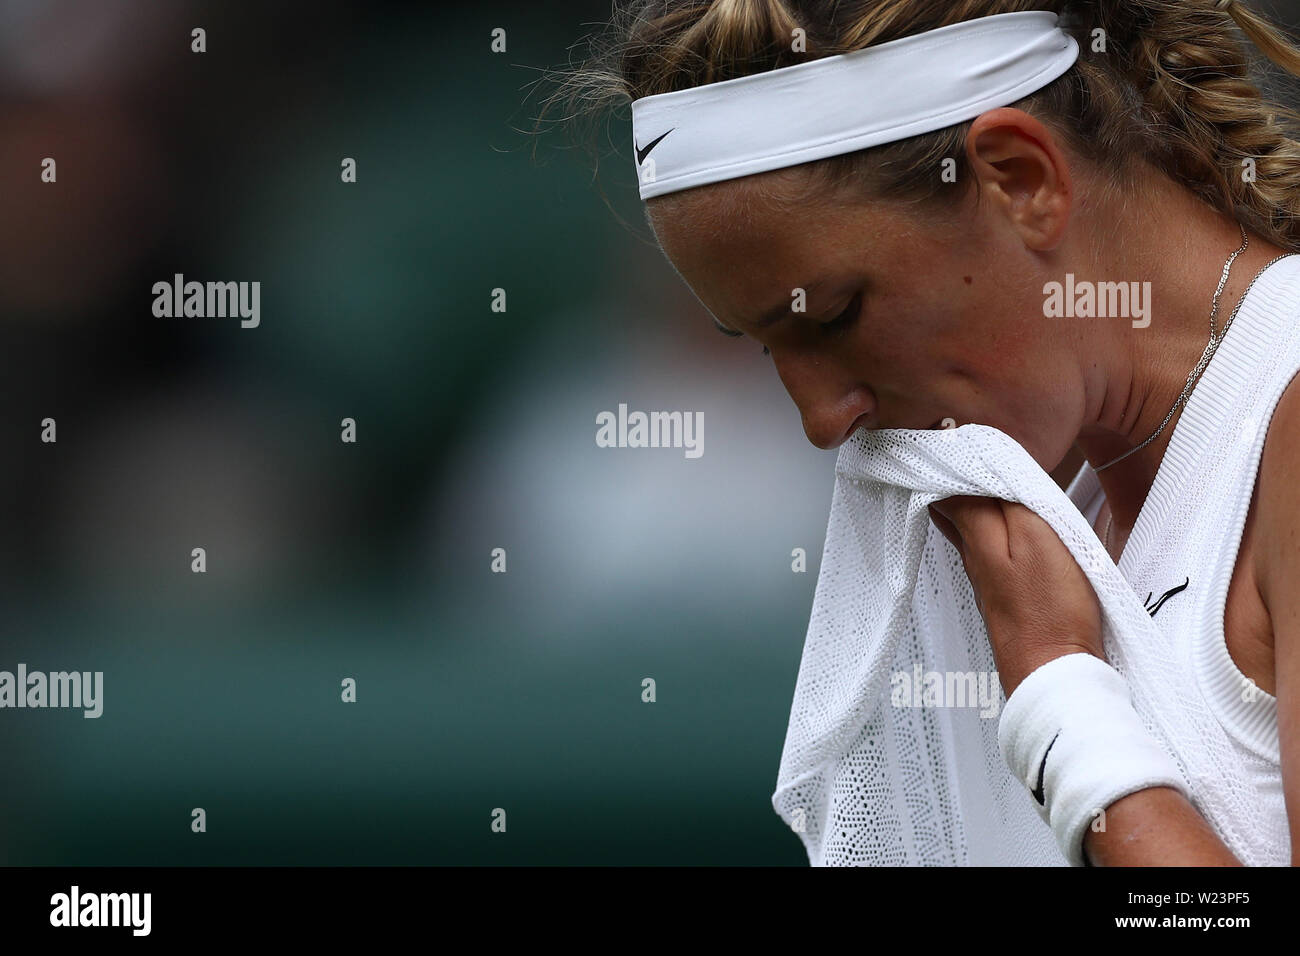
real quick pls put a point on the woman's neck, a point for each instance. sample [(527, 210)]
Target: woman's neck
[(1135, 377)]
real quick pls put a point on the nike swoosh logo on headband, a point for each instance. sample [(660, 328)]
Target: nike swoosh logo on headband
[(1042, 769), (641, 154)]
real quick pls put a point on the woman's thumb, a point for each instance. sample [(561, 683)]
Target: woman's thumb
[(947, 527)]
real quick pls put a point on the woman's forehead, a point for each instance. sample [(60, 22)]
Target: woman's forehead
[(737, 201)]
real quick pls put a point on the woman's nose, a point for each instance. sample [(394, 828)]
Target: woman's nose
[(829, 425), (831, 406)]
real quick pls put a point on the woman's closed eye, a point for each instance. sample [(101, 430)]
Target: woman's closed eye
[(845, 318), (838, 324), (841, 322)]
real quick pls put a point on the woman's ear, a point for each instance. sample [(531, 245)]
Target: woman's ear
[(1023, 171)]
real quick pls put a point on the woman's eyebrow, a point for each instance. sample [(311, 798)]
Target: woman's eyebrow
[(770, 317)]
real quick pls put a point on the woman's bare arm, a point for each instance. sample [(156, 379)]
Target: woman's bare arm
[(1278, 572), (1154, 827)]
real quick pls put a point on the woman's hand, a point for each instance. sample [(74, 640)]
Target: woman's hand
[(1038, 605), (1036, 601)]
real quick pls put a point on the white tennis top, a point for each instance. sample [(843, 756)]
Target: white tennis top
[(1190, 526)]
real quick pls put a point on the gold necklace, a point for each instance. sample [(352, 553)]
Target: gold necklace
[(1205, 357), (1210, 348)]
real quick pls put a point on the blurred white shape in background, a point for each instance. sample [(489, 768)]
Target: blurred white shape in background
[(586, 526)]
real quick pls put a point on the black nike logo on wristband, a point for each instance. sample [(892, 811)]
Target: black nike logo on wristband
[(1042, 768), (641, 154)]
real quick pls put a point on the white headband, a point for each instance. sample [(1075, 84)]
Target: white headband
[(846, 102)]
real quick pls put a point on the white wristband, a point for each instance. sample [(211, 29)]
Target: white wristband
[(1070, 734)]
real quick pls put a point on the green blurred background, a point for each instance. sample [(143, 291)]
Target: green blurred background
[(476, 430)]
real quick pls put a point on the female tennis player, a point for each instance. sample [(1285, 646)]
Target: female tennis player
[(1051, 218)]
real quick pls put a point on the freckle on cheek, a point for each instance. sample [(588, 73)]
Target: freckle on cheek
[(968, 279)]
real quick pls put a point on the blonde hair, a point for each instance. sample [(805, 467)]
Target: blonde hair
[(1167, 83)]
